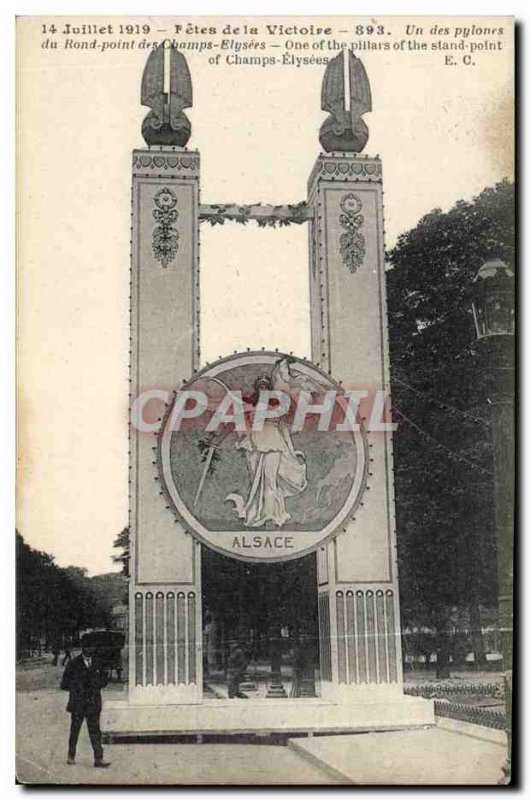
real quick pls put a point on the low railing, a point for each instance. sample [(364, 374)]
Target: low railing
[(473, 714), (465, 712), (430, 690)]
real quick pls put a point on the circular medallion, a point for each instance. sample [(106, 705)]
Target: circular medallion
[(351, 204), (165, 198), (258, 458)]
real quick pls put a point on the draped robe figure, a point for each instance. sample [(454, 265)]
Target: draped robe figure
[(276, 469)]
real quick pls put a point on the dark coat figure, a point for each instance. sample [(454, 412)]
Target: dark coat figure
[(67, 654), (56, 652), (299, 665), (84, 680), (237, 664)]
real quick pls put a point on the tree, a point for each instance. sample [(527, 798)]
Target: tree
[(123, 542), (34, 570), (52, 603), (443, 458)]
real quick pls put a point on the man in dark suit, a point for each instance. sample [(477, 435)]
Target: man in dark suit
[(84, 680)]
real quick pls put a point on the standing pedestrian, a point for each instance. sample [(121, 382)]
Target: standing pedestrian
[(298, 667), (84, 680), (56, 652), (67, 653), (237, 664)]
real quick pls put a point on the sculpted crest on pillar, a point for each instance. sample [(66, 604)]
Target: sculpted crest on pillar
[(345, 130), (167, 91)]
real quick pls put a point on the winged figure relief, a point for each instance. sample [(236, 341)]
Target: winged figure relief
[(344, 129), (286, 377), (277, 471)]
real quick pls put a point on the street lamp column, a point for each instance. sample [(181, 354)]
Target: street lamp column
[(494, 317)]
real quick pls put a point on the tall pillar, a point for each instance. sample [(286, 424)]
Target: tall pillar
[(357, 571), (165, 664)]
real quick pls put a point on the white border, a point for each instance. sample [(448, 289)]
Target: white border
[(520, 8)]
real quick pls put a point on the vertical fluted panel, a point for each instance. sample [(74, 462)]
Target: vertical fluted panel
[(181, 637), (391, 635), (366, 636), (170, 637), (149, 638), (159, 639), (353, 661), (382, 654), (341, 637), (165, 638), (361, 636), (371, 634), (139, 644), (325, 642), (192, 677)]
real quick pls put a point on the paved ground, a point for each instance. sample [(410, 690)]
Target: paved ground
[(406, 757), (42, 732), (425, 757)]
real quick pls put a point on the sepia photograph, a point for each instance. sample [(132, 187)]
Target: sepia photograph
[(266, 300)]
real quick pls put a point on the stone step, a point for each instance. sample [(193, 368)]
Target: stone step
[(276, 690), (119, 717), (307, 688)]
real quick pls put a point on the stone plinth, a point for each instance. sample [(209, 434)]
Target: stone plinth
[(267, 716)]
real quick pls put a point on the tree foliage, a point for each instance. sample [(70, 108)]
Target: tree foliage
[(256, 597), (53, 603), (440, 393), (122, 543)]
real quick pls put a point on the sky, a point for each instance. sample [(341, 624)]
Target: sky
[(443, 133)]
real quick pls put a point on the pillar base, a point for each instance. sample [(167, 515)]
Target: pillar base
[(181, 694), (354, 694), (225, 717)]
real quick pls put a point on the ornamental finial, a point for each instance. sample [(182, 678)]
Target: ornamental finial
[(345, 130), (167, 90)]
